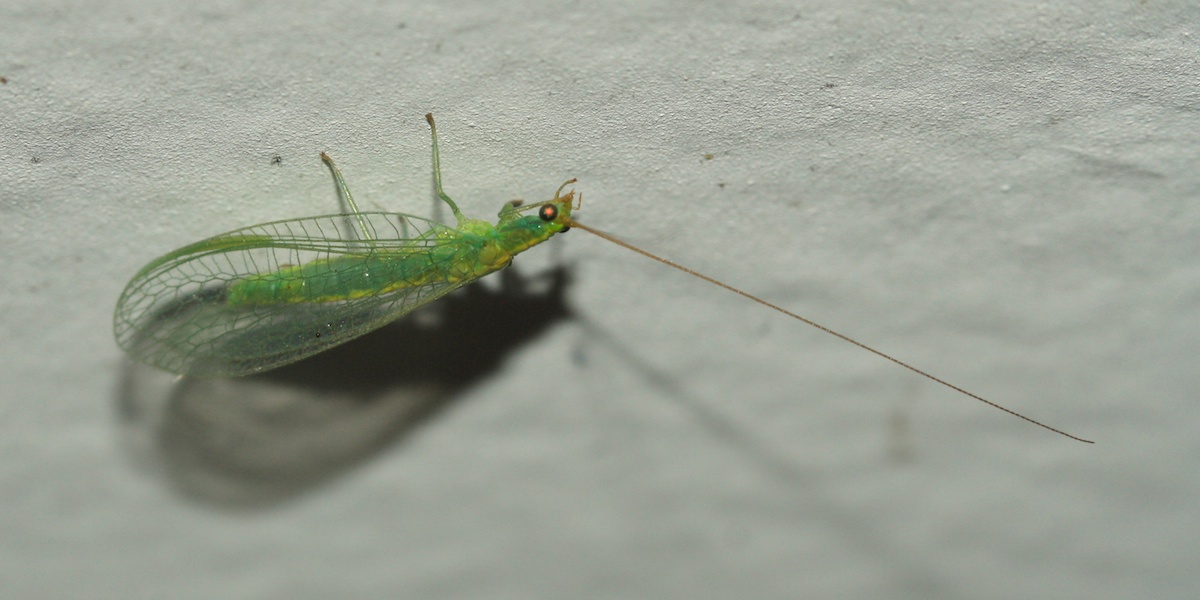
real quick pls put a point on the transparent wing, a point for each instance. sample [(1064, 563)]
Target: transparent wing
[(174, 313)]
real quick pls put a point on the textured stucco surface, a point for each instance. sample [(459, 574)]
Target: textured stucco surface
[(1003, 193)]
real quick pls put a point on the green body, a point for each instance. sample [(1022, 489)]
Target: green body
[(270, 294), (470, 253)]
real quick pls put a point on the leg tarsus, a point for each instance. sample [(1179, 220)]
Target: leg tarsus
[(341, 183), (437, 171)]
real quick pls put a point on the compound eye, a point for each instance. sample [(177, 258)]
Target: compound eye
[(548, 212)]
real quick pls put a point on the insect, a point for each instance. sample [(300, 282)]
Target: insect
[(267, 295)]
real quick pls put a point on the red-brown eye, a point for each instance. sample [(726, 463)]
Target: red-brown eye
[(548, 212)]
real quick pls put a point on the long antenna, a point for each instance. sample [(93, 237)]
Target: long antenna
[(793, 315)]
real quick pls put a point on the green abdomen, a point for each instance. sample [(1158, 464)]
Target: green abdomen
[(355, 276)]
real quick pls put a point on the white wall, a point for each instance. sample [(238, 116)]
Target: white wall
[(1003, 193)]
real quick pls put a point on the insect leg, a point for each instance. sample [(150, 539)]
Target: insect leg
[(437, 171), (341, 183)]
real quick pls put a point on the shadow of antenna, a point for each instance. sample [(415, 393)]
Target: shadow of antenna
[(719, 426)]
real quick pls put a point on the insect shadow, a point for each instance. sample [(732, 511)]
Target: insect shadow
[(257, 441)]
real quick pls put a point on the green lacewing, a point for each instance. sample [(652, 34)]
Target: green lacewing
[(268, 295)]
